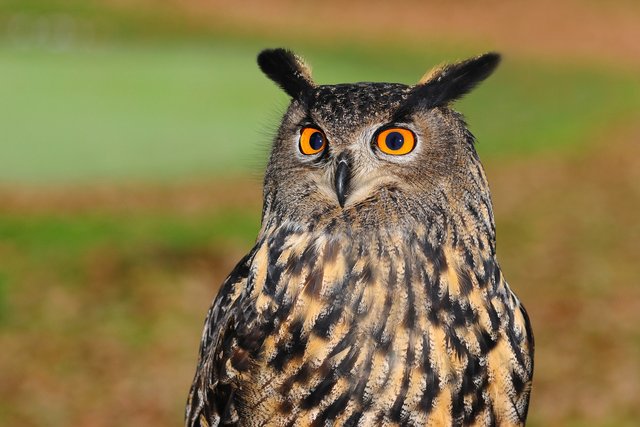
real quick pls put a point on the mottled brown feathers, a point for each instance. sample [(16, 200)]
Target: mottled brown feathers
[(385, 308)]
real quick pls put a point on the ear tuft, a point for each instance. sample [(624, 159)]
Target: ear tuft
[(447, 83), (287, 70)]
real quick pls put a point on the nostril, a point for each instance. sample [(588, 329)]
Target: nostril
[(342, 158)]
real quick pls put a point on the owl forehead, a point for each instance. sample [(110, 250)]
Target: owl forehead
[(350, 104)]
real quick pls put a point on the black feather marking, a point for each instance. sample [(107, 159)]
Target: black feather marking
[(485, 341), (274, 270), (432, 386), (457, 409), (410, 317), (345, 343), (440, 305), (318, 393), (294, 266), (396, 410), (497, 276), (494, 319), (285, 407), (477, 404), (459, 314), (514, 342), (489, 266), (349, 361), (450, 83), (303, 375), (518, 383), (472, 370), (528, 330), (288, 350), (326, 320), (439, 260), (287, 71), (333, 410), (378, 332), (454, 342), (353, 420)]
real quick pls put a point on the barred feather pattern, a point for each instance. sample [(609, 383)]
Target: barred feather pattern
[(334, 322)]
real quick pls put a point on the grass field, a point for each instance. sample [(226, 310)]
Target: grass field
[(130, 185), (149, 113)]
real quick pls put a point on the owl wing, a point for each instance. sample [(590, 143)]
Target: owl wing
[(211, 398)]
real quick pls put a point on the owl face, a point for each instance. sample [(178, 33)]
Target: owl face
[(380, 149)]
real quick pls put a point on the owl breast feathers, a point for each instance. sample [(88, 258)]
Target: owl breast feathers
[(373, 296)]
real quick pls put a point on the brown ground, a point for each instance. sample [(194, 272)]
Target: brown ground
[(134, 199), (571, 29), (118, 347)]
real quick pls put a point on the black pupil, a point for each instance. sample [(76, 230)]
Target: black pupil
[(394, 141), (316, 141)]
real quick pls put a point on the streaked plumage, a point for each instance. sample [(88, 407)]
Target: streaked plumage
[(373, 295)]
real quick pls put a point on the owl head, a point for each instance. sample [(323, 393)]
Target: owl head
[(375, 153)]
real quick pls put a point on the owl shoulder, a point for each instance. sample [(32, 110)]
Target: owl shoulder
[(211, 396)]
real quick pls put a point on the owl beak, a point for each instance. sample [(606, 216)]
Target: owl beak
[(342, 178)]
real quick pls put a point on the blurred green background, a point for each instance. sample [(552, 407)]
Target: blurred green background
[(132, 140)]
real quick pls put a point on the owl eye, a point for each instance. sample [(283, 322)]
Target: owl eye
[(312, 141), (396, 141)]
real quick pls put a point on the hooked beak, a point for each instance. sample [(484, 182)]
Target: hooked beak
[(342, 178)]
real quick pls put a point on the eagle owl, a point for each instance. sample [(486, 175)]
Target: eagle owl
[(372, 296)]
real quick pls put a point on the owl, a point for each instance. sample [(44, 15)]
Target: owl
[(372, 296)]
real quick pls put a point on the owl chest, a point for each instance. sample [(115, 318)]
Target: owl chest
[(362, 336)]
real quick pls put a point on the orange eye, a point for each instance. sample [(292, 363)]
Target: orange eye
[(312, 141), (396, 141)]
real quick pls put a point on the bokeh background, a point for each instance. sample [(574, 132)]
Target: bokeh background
[(133, 135)]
